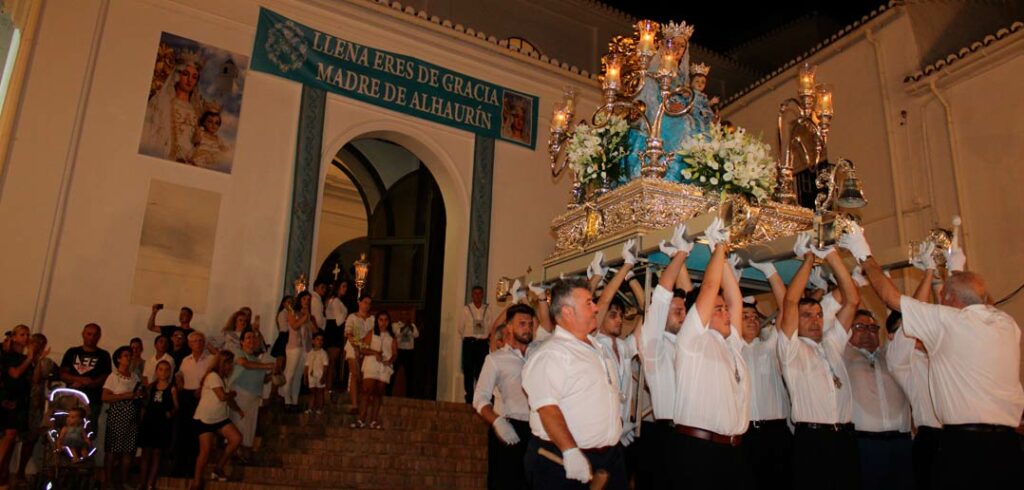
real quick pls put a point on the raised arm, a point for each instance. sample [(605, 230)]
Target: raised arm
[(851, 294), (543, 308), (790, 306), (151, 324), (705, 303), (732, 296), (609, 292), (772, 274), (923, 293), (857, 244), (638, 293)]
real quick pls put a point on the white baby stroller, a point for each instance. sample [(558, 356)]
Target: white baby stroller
[(68, 453)]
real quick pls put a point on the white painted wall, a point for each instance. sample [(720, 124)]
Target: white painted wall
[(74, 190)]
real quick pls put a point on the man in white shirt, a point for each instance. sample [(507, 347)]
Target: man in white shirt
[(189, 376), (810, 352), (974, 363), (473, 325), (712, 407), (510, 430), (662, 320), (316, 304), (881, 413), (768, 443), (160, 345), (574, 399)]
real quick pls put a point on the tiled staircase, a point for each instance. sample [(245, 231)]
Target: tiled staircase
[(424, 445)]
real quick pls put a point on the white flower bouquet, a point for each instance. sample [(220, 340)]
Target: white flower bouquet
[(594, 152), (729, 161)]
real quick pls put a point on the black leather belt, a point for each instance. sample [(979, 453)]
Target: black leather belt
[(707, 435), (666, 422), (597, 450), (978, 428), (761, 424), (883, 435), (848, 427)]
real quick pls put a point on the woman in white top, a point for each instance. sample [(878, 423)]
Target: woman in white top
[(278, 349), (334, 333), (379, 351), (212, 417), (122, 392), (356, 327), (301, 326)]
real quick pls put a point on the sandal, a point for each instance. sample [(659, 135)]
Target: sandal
[(215, 476), (358, 424), (376, 425)]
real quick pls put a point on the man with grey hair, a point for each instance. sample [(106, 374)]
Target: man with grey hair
[(574, 399), (974, 358)]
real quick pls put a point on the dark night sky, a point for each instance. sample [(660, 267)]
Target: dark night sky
[(721, 26)]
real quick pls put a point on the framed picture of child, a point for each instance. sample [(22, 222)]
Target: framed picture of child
[(195, 99)]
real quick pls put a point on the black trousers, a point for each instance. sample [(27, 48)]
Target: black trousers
[(769, 452), (988, 458), (186, 436), (697, 463), (505, 470), (886, 460), (926, 446), (825, 459), (473, 353), (544, 474), (652, 452)]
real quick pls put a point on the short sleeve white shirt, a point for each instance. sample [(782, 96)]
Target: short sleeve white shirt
[(712, 386), (476, 322), (211, 409), (149, 368), (503, 372), (974, 361), (769, 399), (879, 404), (192, 371), (658, 355), (622, 357), (909, 367), (811, 371), (336, 311), (577, 377), (118, 384)]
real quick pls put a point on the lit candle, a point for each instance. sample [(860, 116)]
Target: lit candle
[(807, 79), (647, 29), (669, 63), (823, 101), (559, 118), (612, 73)]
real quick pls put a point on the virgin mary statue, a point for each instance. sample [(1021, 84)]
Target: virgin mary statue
[(172, 112)]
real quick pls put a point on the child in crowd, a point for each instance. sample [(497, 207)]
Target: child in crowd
[(316, 367), (157, 422), (72, 438)]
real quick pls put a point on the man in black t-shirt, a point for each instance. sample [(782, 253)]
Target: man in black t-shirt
[(184, 320), (86, 367), (179, 348)]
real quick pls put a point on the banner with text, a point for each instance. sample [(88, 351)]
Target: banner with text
[(301, 53)]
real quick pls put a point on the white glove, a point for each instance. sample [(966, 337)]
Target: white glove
[(855, 242), (716, 233), (817, 279), (628, 433), (956, 260), (627, 252), (503, 428), (823, 252), (630, 275), (679, 242), (858, 276), (596, 267), (517, 292), (802, 245), (766, 268), (667, 249), (576, 465), (734, 262), (923, 258), (536, 290)]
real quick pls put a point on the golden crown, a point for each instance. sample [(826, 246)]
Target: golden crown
[(699, 69), (190, 57), (682, 29)]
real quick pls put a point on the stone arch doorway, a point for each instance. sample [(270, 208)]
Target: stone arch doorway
[(381, 200)]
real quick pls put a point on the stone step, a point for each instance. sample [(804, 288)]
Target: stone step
[(169, 483), (418, 464), (341, 427), (382, 478), (271, 455)]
